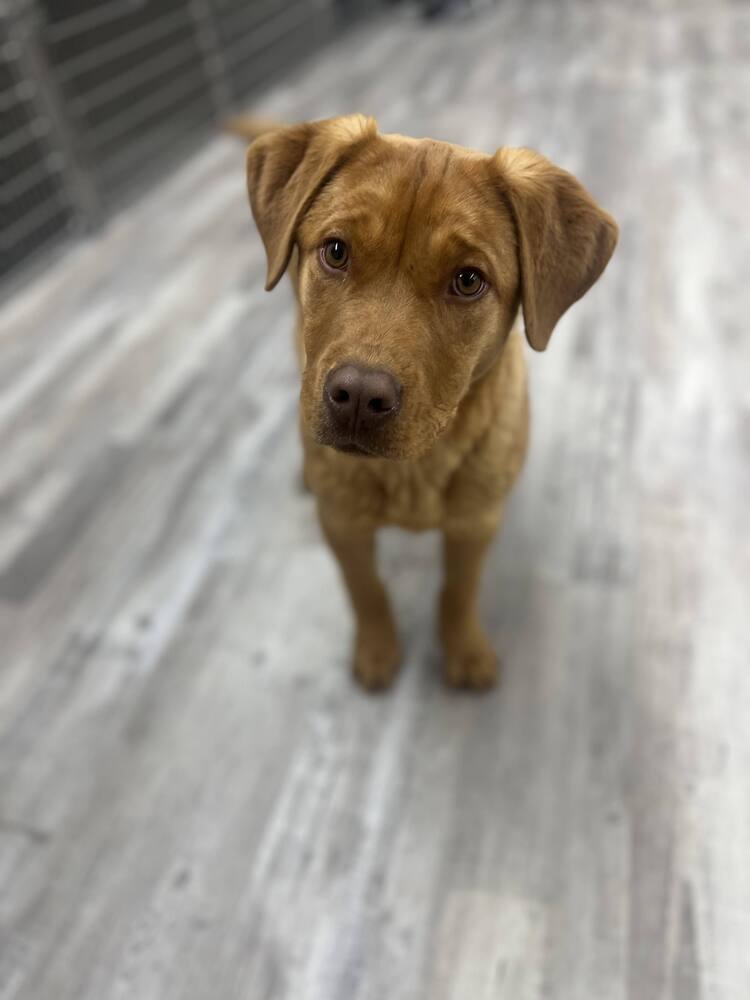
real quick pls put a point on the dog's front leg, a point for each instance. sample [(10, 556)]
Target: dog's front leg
[(376, 649), (469, 658)]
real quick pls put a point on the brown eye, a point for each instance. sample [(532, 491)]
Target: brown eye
[(335, 254), (468, 282)]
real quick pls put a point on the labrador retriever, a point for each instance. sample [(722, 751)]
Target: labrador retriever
[(411, 260)]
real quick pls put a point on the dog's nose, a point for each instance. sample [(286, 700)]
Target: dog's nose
[(359, 397)]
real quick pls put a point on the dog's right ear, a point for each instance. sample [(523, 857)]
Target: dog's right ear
[(286, 170)]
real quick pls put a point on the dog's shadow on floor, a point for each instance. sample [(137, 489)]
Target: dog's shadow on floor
[(411, 563)]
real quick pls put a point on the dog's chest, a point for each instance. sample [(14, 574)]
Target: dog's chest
[(411, 495), (369, 492)]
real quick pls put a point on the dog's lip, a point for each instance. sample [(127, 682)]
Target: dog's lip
[(352, 448), (350, 443), (347, 444)]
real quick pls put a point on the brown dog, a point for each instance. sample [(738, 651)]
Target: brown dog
[(413, 258)]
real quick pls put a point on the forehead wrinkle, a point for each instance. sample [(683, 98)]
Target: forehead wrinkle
[(356, 217), (476, 176), (419, 175), (463, 254), (367, 207), (429, 181), (460, 206), (347, 221), (468, 232), (462, 236), (447, 160)]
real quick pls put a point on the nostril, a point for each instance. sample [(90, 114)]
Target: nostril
[(340, 396), (379, 405)]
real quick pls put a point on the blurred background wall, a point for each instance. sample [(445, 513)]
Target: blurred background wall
[(96, 98)]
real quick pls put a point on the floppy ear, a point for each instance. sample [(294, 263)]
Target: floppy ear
[(286, 169), (564, 239)]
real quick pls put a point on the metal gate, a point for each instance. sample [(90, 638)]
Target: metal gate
[(95, 96)]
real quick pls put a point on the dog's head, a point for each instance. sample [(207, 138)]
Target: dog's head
[(414, 257)]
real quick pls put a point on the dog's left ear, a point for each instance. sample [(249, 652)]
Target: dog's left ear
[(564, 238), (286, 169)]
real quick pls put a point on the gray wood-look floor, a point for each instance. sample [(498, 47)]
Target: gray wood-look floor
[(195, 801)]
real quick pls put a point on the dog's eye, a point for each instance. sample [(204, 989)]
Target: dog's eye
[(468, 282), (335, 254)]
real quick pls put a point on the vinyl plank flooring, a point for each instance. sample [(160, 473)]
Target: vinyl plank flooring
[(195, 801)]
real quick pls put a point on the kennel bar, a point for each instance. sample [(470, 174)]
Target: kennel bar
[(97, 98)]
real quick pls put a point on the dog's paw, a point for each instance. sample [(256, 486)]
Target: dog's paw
[(470, 661), (376, 657)]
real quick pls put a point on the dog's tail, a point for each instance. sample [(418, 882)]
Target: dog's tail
[(249, 127)]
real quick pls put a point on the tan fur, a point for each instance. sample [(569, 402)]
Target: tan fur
[(412, 213)]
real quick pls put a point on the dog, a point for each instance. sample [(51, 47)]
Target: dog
[(411, 260)]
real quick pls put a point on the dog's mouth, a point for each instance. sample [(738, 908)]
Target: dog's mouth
[(359, 444), (352, 448), (354, 443)]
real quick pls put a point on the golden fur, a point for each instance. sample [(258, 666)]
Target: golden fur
[(412, 213)]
